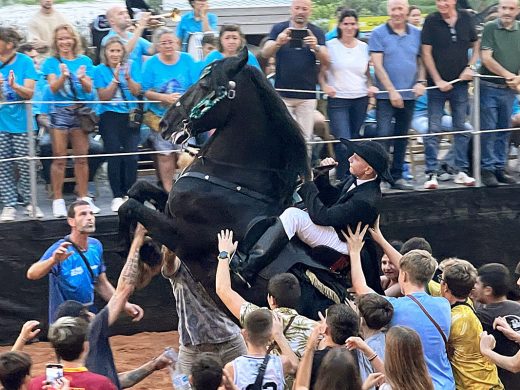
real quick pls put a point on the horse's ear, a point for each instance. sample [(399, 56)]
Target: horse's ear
[(236, 63)]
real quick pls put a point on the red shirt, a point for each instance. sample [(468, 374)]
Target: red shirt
[(80, 379)]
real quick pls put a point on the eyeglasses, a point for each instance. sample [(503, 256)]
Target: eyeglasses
[(441, 279), (167, 43), (453, 33)]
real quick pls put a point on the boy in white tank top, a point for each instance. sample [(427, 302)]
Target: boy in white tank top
[(261, 327)]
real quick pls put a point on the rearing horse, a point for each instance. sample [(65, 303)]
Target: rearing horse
[(247, 169)]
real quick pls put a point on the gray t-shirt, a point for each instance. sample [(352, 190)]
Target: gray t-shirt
[(200, 320), (377, 343)]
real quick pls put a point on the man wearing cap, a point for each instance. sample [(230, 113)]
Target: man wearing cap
[(330, 210)]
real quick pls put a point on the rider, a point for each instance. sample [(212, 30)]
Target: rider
[(330, 210)]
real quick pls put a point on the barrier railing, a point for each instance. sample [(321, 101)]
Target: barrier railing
[(33, 158)]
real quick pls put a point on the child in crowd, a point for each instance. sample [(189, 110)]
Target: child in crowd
[(376, 313), (15, 369), (260, 328)]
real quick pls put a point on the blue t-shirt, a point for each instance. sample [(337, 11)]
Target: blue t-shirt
[(331, 34), (189, 25), (296, 68), (52, 66), (141, 47), (215, 55), (400, 54), (71, 279), (516, 106), (103, 76), (163, 78), (408, 313), (12, 116)]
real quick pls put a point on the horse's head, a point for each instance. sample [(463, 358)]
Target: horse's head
[(206, 104)]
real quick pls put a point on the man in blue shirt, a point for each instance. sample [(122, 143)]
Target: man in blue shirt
[(416, 269), (137, 46), (75, 265), (395, 49), (198, 20)]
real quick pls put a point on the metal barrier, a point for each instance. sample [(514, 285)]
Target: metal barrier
[(32, 158)]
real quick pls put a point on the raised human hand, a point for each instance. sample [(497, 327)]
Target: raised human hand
[(29, 331), (354, 239), (61, 253), (225, 242)]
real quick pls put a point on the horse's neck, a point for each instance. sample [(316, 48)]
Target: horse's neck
[(246, 152)]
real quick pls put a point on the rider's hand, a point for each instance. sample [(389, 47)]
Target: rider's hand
[(328, 161)]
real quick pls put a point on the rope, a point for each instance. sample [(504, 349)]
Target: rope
[(28, 158), (318, 285)]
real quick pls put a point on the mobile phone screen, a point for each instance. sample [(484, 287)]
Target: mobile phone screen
[(53, 372), (297, 35)]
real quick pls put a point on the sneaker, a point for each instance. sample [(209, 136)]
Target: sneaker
[(59, 210), (88, 199), (488, 178), (431, 183), (401, 184), (8, 214), (116, 203), (464, 179), (29, 211), (503, 177)]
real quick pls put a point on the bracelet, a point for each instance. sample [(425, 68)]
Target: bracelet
[(372, 357)]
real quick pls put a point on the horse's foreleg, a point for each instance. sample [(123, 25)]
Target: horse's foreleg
[(145, 191), (160, 228)]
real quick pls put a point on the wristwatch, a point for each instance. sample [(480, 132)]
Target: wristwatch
[(223, 255), (472, 67), (317, 48)]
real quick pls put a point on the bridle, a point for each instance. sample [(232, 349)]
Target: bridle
[(201, 108)]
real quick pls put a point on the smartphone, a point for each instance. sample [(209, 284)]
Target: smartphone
[(53, 372), (297, 35)]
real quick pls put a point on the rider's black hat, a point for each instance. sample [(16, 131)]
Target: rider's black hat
[(373, 153)]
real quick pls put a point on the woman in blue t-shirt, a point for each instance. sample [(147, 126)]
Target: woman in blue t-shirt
[(69, 75), (230, 41), (17, 79), (115, 82), (166, 76)]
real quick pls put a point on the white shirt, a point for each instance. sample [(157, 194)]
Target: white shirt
[(359, 182), (348, 67)]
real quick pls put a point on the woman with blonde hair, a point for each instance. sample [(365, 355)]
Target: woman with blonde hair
[(69, 75), (405, 367)]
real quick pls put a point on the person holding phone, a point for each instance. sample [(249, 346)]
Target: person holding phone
[(298, 45), (68, 338)]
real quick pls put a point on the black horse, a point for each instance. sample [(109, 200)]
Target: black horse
[(248, 169)]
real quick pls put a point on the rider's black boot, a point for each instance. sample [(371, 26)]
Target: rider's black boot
[(262, 253)]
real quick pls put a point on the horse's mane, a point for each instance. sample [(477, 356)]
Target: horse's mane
[(283, 124)]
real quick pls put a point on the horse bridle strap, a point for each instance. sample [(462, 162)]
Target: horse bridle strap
[(212, 99), (228, 185)]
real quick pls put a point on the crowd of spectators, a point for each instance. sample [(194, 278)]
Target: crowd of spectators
[(389, 70), (426, 325)]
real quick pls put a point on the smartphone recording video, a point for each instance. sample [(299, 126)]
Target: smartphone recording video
[(53, 372), (297, 35)]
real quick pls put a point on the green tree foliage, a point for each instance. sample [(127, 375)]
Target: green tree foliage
[(325, 9)]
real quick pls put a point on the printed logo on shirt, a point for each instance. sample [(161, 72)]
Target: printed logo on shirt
[(76, 271), (171, 86)]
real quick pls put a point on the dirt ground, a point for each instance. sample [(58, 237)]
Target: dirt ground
[(129, 352)]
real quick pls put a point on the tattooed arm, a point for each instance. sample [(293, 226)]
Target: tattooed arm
[(131, 378), (127, 281)]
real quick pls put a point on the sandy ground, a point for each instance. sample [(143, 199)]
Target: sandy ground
[(129, 352)]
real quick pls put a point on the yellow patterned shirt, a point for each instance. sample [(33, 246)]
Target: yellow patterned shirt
[(470, 369), (297, 334)]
